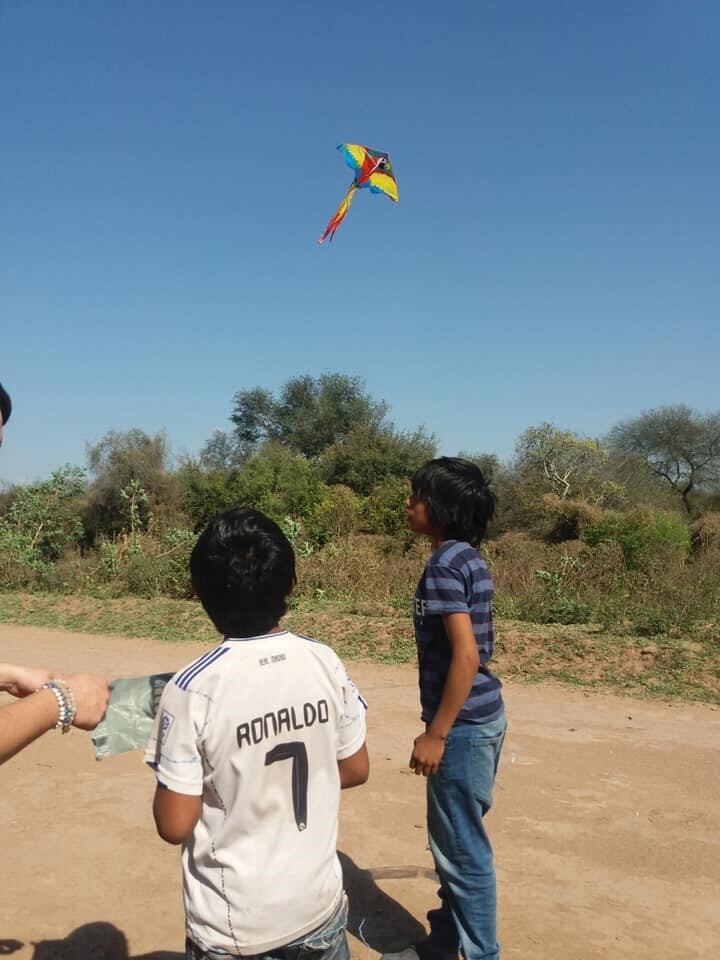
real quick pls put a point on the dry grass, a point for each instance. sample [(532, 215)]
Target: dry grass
[(685, 666)]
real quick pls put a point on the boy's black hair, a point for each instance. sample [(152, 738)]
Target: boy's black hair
[(5, 404), (243, 571), (459, 500)]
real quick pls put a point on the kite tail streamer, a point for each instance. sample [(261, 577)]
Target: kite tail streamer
[(339, 215)]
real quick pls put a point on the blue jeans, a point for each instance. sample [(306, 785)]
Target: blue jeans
[(328, 942), (458, 797)]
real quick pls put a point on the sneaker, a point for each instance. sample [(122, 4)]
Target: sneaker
[(419, 951), (409, 953)]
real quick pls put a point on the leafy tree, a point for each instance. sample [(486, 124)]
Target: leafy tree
[(310, 414), (115, 462), (636, 484), (221, 452), (708, 501), (204, 493), (489, 463), (369, 456), (275, 480), (680, 445), (280, 483), (255, 417), (559, 461)]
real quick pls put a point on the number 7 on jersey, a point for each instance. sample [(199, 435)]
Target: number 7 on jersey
[(294, 750)]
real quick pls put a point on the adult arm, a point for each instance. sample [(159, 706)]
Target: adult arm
[(465, 660), (25, 721), (37, 710), (21, 681)]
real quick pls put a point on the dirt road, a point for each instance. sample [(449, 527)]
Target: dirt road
[(605, 826)]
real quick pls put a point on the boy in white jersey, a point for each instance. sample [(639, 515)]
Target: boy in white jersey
[(252, 744)]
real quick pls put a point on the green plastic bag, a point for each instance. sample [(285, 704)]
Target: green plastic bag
[(129, 718)]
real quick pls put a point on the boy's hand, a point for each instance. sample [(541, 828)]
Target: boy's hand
[(427, 754)]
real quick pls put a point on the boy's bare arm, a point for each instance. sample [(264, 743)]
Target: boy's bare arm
[(175, 814), (430, 746), (354, 770)]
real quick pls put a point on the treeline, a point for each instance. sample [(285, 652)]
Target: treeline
[(624, 526)]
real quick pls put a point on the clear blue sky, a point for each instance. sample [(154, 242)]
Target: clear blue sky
[(166, 168)]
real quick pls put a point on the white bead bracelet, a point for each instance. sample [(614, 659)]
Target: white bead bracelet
[(66, 703)]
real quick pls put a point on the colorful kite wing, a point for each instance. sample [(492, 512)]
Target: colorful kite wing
[(373, 169), (354, 155), (384, 183)]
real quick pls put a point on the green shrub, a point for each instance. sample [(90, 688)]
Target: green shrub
[(640, 533), (652, 622), (555, 603), (557, 600), (337, 515), (280, 483), (41, 522), (145, 565), (205, 493), (384, 510), (75, 572)]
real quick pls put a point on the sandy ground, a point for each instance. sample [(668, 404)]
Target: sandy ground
[(605, 826)]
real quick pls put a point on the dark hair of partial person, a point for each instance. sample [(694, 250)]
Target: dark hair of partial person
[(5, 404), (458, 497), (243, 572)]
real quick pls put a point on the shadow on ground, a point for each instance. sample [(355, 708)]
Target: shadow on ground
[(377, 919), (92, 941)]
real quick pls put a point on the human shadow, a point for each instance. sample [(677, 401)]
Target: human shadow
[(93, 941), (375, 917)]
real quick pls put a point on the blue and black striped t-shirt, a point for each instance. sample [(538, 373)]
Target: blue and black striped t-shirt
[(456, 579)]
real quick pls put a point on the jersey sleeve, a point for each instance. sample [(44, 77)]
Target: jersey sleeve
[(173, 748), (445, 590), (352, 719)]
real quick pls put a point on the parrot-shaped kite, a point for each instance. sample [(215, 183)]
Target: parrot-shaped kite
[(373, 169)]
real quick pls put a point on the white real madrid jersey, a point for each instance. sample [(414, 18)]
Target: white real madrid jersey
[(256, 727)]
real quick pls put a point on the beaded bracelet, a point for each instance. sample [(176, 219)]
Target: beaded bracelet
[(66, 703)]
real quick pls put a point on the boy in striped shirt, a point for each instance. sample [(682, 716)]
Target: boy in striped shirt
[(462, 707)]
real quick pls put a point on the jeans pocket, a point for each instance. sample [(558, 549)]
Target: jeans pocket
[(329, 939), (194, 952), (483, 758)]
